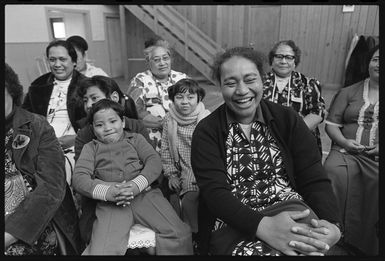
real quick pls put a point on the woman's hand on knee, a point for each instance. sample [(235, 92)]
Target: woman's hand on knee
[(276, 231), (318, 230)]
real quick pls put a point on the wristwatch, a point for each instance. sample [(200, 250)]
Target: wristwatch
[(340, 227)]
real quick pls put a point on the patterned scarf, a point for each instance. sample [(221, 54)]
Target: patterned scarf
[(178, 119)]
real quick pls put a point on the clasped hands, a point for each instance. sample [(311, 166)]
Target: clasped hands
[(122, 193), (292, 238)]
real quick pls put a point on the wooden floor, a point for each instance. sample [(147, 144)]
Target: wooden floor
[(214, 98)]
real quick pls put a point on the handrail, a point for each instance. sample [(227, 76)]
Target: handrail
[(193, 44), (194, 33)]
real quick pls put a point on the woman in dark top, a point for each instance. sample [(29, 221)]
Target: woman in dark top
[(263, 188), (40, 216)]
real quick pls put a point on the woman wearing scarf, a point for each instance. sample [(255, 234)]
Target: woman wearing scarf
[(185, 112)]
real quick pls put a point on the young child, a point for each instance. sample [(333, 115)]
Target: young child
[(185, 112), (116, 169)]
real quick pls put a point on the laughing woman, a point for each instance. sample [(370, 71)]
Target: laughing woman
[(263, 190)]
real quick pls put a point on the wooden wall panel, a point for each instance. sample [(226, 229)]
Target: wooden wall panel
[(263, 27), (323, 32)]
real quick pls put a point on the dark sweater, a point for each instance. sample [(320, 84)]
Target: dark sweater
[(300, 155), (39, 94)]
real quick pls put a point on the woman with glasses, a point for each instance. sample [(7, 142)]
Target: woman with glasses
[(285, 86), (149, 89)]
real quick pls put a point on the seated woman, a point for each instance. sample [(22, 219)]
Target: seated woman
[(263, 190), (186, 110), (352, 164), (149, 89), (53, 95), (40, 216), (81, 47), (92, 90), (116, 170), (286, 86)]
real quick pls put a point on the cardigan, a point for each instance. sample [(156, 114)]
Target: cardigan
[(88, 205), (42, 162), (39, 94), (126, 159), (300, 155), (85, 134)]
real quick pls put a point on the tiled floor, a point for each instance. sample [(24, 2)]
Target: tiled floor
[(214, 98)]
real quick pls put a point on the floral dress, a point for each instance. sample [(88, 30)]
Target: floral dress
[(301, 93), (151, 95)]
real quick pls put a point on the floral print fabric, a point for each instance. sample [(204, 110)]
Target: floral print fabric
[(151, 95), (304, 97)]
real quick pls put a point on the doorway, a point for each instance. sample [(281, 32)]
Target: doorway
[(113, 38)]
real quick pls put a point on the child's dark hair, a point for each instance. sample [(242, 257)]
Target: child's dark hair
[(186, 85), (102, 105), (108, 86)]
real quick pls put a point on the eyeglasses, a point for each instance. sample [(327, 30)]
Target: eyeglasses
[(287, 57), (157, 60)]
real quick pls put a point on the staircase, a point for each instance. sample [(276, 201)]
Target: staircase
[(187, 39)]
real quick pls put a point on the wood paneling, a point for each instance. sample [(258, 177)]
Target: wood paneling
[(323, 32)]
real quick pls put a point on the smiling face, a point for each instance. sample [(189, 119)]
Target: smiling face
[(185, 103), (283, 67), (92, 95), (60, 62), (160, 62), (374, 66), (241, 87), (107, 125)]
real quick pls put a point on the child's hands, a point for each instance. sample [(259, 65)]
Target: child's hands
[(127, 192), (174, 183), (111, 194)]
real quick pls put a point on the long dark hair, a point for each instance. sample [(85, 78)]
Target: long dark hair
[(108, 86)]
